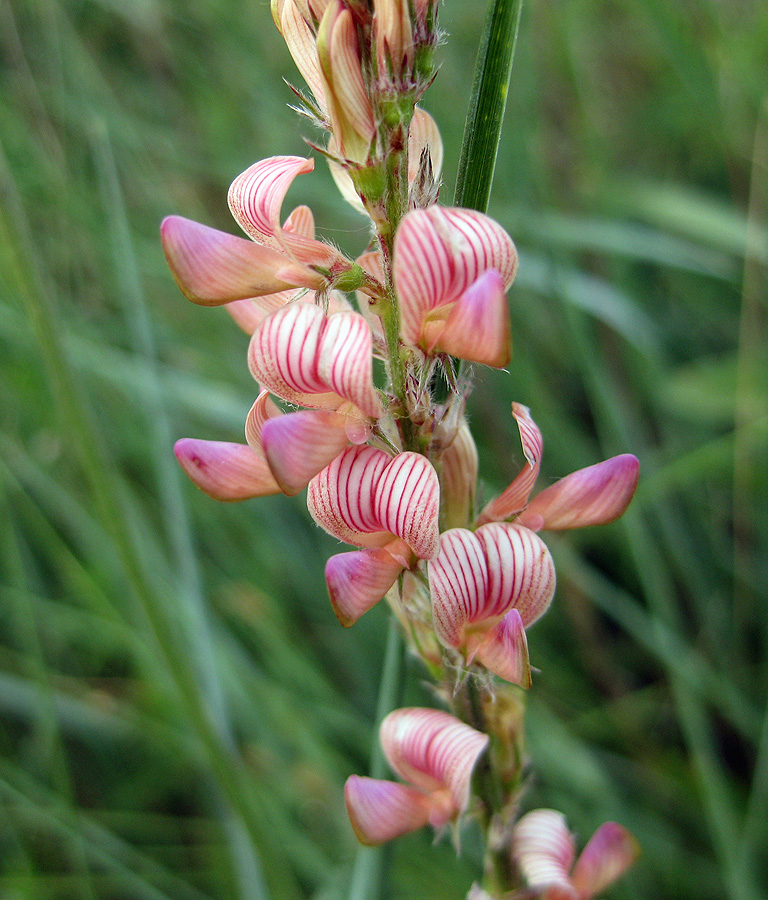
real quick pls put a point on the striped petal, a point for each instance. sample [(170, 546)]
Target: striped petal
[(543, 850), (504, 650), (283, 355), (458, 583), (298, 445), (301, 44), (592, 496), (251, 312), (433, 751), (345, 361), (521, 572), (459, 479), (212, 267), (225, 471), (515, 498), (382, 810), (478, 327), (424, 135), (256, 198), (609, 853), (365, 497), (358, 580), (263, 409), (439, 253)]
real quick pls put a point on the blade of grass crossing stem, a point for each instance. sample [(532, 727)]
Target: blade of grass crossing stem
[(488, 100), (190, 599), (369, 868)]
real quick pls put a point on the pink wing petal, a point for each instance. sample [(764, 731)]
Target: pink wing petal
[(542, 848), (283, 355), (358, 580), (298, 445), (225, 471), (458, 583), (212, 267), (433, 750), (592, 496), (478, 327), (515, 497), (521, 573), (504, 651), (382, 810), (341, 497), (345, 361), (439, 253), (610, 852), (407, 502)]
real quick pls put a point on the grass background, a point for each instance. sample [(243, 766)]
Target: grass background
[(179, 706)]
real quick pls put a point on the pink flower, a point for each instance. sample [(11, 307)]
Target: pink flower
[(487, 586), (386, 505), (544, 850), (436, 754), (592, 496), (451, 270)]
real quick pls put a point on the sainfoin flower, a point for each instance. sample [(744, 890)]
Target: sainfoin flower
[(435, 753), (543, 850)]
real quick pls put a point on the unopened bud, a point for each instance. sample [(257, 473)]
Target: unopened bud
[(393, 37)]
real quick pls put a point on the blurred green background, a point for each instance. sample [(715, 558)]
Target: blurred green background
[(179, 706)]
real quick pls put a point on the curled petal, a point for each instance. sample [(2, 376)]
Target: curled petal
[(521, 572), (478, 327), (609, 853), (433, 750), (515, 497), (358, 580), (345, 361), (382, 810), (301, 221), (504, 650), (439, 253), (256, 198), (298, 445), (543, 850), (212, 267), (225, 471), (408, 502), (592, 496), (263, 409)]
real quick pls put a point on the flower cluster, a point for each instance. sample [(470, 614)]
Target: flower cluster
[(390, 468)]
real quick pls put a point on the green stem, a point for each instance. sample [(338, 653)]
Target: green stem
[(368, 870), (482, 131)]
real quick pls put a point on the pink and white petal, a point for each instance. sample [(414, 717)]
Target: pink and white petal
[(424, 135), (592, 496), (301, 221), (341, 497), (439, 253), (212, 267), (225, 471), (515, 497), (382, 810), (521, 572), (407, 502), (283, 355), (299, 444), (504, 651), (250, 313), (459, 479), (263, 409), (433, 750), (358, 580), (345, 362), (458, 583), (609, 853), (478, 327), (543, 850)]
